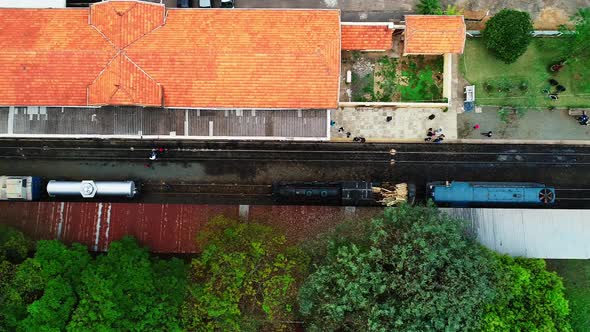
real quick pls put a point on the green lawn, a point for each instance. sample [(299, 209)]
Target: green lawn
[(576, 279), (522, 83)]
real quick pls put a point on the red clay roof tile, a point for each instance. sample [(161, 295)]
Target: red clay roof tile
[(367, 38), (198, 58), (434, 34)]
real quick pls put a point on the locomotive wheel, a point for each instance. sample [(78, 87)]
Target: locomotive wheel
[(545, 196)]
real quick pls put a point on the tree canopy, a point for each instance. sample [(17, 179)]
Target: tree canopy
[(63, 288), (414, 269), (576, 45), (429, 7), (530, 298), (246, 279), (508, 34)]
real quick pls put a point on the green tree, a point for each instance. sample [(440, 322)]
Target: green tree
[(14, 249), (14, 245), (429, 7), (530, 298), (508, 34), (576, 45), (63, 288), (413, 269), (40, 295), (246, 279), (126, 290)]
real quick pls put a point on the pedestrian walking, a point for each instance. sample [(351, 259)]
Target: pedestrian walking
[(153, 155), (389, 118), (332, 123), (488, 134), (348, 134), (363, 140), (431, 117), (476, 127), (356, 139), (430, 132), (438, 131), (583, 119), (341, 129)]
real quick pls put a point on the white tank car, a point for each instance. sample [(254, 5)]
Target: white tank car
[(90, 189)]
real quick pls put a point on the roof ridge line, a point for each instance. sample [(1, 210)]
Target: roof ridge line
[(139, 67), (149, 32), (105, 67)]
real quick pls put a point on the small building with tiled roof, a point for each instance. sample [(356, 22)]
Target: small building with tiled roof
[(434, 34), (139, 53), (367, 37)]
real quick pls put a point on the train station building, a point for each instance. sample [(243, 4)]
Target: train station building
[(134, 69)]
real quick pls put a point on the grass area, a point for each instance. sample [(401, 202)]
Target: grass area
[(412, 78), (418, 79), (363, 87), (522, 82), (576, 279)]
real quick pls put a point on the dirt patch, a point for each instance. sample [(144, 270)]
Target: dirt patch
[(546, 14), (549, 18), (363, 67)]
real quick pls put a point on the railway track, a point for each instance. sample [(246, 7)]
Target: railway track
[(572, 194), (500, 157), (207, 189), (180, 155), (385, 155)]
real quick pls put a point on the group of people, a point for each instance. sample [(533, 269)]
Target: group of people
[(434, 136), (348, 133)]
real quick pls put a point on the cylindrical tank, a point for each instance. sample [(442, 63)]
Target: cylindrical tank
[(89, 188)]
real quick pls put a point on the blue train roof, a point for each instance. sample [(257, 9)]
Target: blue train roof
[(488, 192)]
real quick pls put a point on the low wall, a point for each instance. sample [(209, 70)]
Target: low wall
[(392, 104)]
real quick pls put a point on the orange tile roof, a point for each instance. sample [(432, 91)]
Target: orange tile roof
[(434, 34), (136, 53), (49, 56), (366, 37)]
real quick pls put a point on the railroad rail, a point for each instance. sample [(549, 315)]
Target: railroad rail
[(207, 189), (572, 194), (181, 154), (345, 155)]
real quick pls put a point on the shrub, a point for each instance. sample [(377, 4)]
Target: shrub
[(508, 34), (429, 7), (530, 298)]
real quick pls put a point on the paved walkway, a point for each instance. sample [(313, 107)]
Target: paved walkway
[(533, 125), (406, 124)]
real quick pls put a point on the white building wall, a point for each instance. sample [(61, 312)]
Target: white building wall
[(533, 233), (32, 3)]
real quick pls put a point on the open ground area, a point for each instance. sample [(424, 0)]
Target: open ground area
[(525, 83), (576, 279), (533, 124)]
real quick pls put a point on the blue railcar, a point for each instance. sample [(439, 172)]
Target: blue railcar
[(490, 193), (20, 188)]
